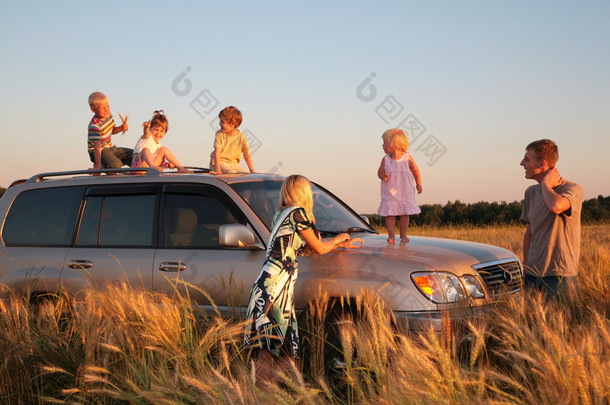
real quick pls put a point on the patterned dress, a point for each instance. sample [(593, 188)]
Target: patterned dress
[(273, 323)]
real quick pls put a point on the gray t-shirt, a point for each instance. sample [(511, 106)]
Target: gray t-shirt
[(555, 244)]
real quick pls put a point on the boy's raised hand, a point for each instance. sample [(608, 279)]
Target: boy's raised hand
[(124, 125)]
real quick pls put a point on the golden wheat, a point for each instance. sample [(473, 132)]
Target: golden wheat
[(125, 345)]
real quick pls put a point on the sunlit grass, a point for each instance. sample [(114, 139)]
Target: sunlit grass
[(126, 345)]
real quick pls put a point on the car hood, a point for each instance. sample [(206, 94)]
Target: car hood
[(398, 260), (387, 268), (436, 253)]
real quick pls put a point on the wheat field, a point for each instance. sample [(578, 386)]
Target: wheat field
[(123, 345)]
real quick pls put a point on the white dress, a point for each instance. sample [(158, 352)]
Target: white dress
[(398, 192)]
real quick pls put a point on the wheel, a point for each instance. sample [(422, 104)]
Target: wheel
[(322, 350)]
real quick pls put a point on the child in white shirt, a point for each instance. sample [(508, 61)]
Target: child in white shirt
[(148, 152)]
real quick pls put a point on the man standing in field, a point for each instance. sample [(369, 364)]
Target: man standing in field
[(551, 244)]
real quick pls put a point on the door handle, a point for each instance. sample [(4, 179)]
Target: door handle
[(80, 264), (172, 266)]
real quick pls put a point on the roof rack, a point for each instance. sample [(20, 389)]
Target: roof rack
[(145, 171), (197, 169)]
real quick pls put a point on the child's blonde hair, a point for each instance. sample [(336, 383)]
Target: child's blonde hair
[(96, 97), (231, 115), (397, 139), (296, 191), (159, 119)]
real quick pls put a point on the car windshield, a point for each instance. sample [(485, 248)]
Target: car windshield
[(332, 215)]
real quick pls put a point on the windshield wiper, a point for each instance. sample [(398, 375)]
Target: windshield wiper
[(353, 229), (325, 233)]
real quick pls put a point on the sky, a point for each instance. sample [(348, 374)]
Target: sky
[(471, 82)]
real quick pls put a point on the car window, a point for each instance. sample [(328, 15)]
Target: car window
[(194, 220), (332, 216), (43, 217), (262, 197), (118, 220)]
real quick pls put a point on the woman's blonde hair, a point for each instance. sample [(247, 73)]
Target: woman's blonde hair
[(296, 191), (397, 139)]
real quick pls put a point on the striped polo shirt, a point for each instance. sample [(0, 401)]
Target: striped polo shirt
[(100, 131)]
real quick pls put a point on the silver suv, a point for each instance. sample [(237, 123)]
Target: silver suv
[(72, 230)]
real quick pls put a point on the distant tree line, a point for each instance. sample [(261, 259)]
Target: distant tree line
[(595, 210)]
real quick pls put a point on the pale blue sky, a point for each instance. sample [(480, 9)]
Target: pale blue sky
[(483, 78)]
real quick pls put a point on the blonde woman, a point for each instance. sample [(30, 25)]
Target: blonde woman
[(272, 329)]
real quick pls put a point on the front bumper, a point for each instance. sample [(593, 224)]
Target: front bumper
[(436, 321)]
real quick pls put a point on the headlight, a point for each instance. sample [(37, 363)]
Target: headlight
[(473, 286), (439, 287)]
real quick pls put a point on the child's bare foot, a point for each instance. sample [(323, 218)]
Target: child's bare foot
[(391, 240), (404, 239)]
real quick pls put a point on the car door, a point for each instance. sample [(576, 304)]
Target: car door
[(189, 252), (116, 238), (37, 233)]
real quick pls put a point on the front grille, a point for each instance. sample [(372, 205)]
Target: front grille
[(500, 276)]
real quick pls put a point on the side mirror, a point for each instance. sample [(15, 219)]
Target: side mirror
[(238, 236)]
